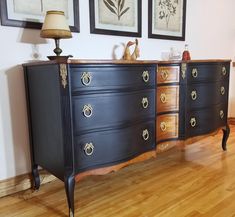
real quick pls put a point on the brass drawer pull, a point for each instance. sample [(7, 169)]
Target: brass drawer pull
[(145, 134), (164, 74), (89, 149), (163, 97), (163, 126), (193, 122), (87, 111), (145, 76), (224, 71), (194, 73), (222, 90), (145, 102), (86, 78), (194, 95), (221, 113)]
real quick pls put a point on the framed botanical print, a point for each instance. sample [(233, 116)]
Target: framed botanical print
[(115, 17), (31, 13), (167, 19)]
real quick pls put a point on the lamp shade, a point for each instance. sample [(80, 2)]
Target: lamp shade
[(55, 26)]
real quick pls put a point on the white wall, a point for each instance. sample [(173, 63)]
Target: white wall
[(210, 33)]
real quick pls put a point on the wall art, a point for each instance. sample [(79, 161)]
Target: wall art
[(31, 13), (167, 19), (115, 17)]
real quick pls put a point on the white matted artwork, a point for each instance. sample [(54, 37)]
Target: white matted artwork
[(116, 17), (167, 19), (31, 13), (39, 7)]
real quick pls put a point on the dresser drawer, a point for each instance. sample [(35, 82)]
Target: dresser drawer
[(206, 120), (87, 78), (109, 147), (106, 110), (167, 98), (207, 72), (204, 95), (168, 74), (167, 126)]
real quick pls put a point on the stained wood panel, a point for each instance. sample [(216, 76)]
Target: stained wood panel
[(168, 74), (167, 126), (167, 98)]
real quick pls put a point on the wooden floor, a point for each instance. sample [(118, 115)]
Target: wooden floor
[(197, 182)]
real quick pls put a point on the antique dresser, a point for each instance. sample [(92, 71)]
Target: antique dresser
[(94, 117)]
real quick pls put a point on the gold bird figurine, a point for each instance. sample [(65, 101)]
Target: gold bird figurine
[(127, 54)]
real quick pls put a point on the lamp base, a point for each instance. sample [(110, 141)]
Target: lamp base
[(60, 58)]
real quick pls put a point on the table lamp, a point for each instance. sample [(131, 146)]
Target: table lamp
[(55, 26)]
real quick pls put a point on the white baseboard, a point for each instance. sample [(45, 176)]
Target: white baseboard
[(22, 182)]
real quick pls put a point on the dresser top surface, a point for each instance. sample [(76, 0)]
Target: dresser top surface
[(109, 61)]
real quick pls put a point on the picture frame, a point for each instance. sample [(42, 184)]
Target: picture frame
[(167, 19), (111, 17), (31, 13)]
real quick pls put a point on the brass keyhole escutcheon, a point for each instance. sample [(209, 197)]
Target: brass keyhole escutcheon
[(194, 73), (222, 90), (164, 74), (87, 111), (221, 114), (163, 98), (145, 76), (86, 78), (145, 102), (163, 126), (145, 134), (89, 149), (193, 122), (194, 95), (224, 72)]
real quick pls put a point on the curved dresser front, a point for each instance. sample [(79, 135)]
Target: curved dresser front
[(113, 113), (94, 117)]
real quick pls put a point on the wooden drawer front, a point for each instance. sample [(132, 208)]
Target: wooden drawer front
[(207, 72), (168, 74), (111, 109), (86, 78), (109, 147), (204, 95), (167, 126), (167, 98), (206, 120)]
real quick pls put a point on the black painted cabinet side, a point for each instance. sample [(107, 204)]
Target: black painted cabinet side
[(206, 108), (227, 65), (67, 123), (45, 116)]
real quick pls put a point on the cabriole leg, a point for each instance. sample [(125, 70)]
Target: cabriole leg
[(226, 132), (36, 177), (69, 187)]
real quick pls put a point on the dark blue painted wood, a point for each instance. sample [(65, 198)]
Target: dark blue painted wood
[(113, 146), (207, 120), (46, 118), (208, 94), (207, 71), (110, 110), (112, 77)]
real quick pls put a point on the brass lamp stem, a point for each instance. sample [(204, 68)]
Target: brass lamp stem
[(57, 49)]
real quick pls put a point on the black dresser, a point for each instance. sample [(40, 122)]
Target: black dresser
[(94, 117)]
